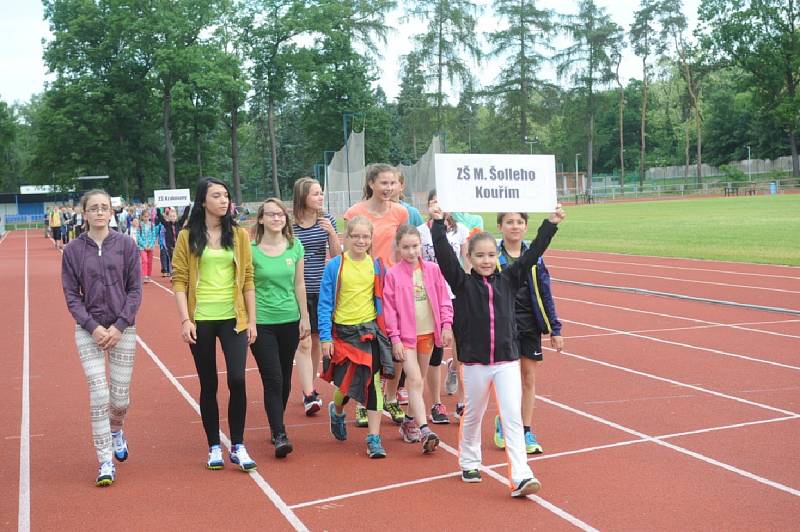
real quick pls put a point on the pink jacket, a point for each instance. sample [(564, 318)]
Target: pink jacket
[(399, 306)]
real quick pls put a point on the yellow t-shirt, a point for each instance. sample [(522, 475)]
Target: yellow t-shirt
[(216, 286), (424, 314), (356, 292)]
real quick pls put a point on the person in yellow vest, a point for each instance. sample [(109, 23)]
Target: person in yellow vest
[(55, 227)]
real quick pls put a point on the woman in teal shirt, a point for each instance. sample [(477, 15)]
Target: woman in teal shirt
[(281, 311)]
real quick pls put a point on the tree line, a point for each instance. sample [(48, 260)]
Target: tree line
[(155, 93)]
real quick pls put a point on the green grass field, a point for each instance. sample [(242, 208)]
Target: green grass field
[(763, 229)]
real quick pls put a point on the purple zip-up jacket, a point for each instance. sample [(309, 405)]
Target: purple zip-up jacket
[(102, 284)]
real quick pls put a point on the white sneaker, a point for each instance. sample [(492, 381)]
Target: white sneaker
[(451, 381), (240, 457), (215, 458), (106, 474), (120, 445)]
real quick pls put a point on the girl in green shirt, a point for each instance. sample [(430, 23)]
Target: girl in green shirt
[(281, 311)]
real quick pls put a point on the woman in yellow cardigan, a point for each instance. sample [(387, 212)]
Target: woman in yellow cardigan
[(213, 283)]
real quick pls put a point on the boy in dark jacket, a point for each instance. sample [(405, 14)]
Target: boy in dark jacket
[(535, 315)]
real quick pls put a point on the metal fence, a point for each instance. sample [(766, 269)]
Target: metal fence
[(609, 191)]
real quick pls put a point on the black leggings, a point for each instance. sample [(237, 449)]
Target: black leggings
[(274, 353), (234, 346)]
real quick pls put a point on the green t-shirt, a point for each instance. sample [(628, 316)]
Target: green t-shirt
[(276, 301), (216, 286)]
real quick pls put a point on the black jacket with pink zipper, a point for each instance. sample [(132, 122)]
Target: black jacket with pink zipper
[(484, 320)]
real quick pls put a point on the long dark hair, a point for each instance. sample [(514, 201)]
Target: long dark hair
[(197, 218)]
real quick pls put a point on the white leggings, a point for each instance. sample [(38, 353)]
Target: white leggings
[(107, 404), (478, 381)]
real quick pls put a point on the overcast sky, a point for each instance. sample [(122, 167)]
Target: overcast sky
[(22, 29)]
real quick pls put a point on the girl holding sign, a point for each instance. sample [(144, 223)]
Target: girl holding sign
[(486, 338)]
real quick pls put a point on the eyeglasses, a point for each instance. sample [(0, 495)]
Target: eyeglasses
[(275, 215), (94, 209)]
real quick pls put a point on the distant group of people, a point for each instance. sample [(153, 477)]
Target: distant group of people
[(375, 314)]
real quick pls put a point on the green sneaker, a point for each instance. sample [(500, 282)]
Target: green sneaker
[(395, 411), (361, 417), (499, 440)]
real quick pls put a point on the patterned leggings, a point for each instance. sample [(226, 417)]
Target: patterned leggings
[(107, 404)]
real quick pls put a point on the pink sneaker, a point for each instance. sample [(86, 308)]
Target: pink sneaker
[(402, 396), (409, 430)]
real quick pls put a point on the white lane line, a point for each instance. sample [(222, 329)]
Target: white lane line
[(682, 450), (375, 490), (678, 383), (702, 261), (550, 456), (685, 318), (678, 279), (273, 496), (668, 267), (687, 346), (3, 238), (574, 521), (24, 507), (695, 327)]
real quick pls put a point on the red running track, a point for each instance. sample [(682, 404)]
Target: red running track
[(661, 414)]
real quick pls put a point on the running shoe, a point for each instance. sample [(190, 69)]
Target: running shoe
[(451, 380), (430, 441), (402, 396), (215, 458), (312, 403), (409, 430), (470, 475), (531, 445), (439, 414), (120, 445), (460, 407), (282, 446), (374, 447), (361, 417), (106, 474), (395, 411), (338, 427), (529, 486), (499, 440), (240, 457)]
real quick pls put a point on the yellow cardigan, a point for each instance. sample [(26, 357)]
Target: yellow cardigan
[(185, 277)]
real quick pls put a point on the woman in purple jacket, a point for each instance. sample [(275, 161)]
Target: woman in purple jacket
[(101, 278)]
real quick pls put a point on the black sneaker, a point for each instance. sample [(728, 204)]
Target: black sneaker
[(529, 486), (312, 404), (470, 475), (282, 446), (439, 414)]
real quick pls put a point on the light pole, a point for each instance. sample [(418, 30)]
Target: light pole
[(749, 173), (530, 142), (326, 161), (576, 172)]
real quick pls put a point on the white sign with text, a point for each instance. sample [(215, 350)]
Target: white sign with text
[(179, 197), (496, 182)]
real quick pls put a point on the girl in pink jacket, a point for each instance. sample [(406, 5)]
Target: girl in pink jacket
[(419, 315)]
